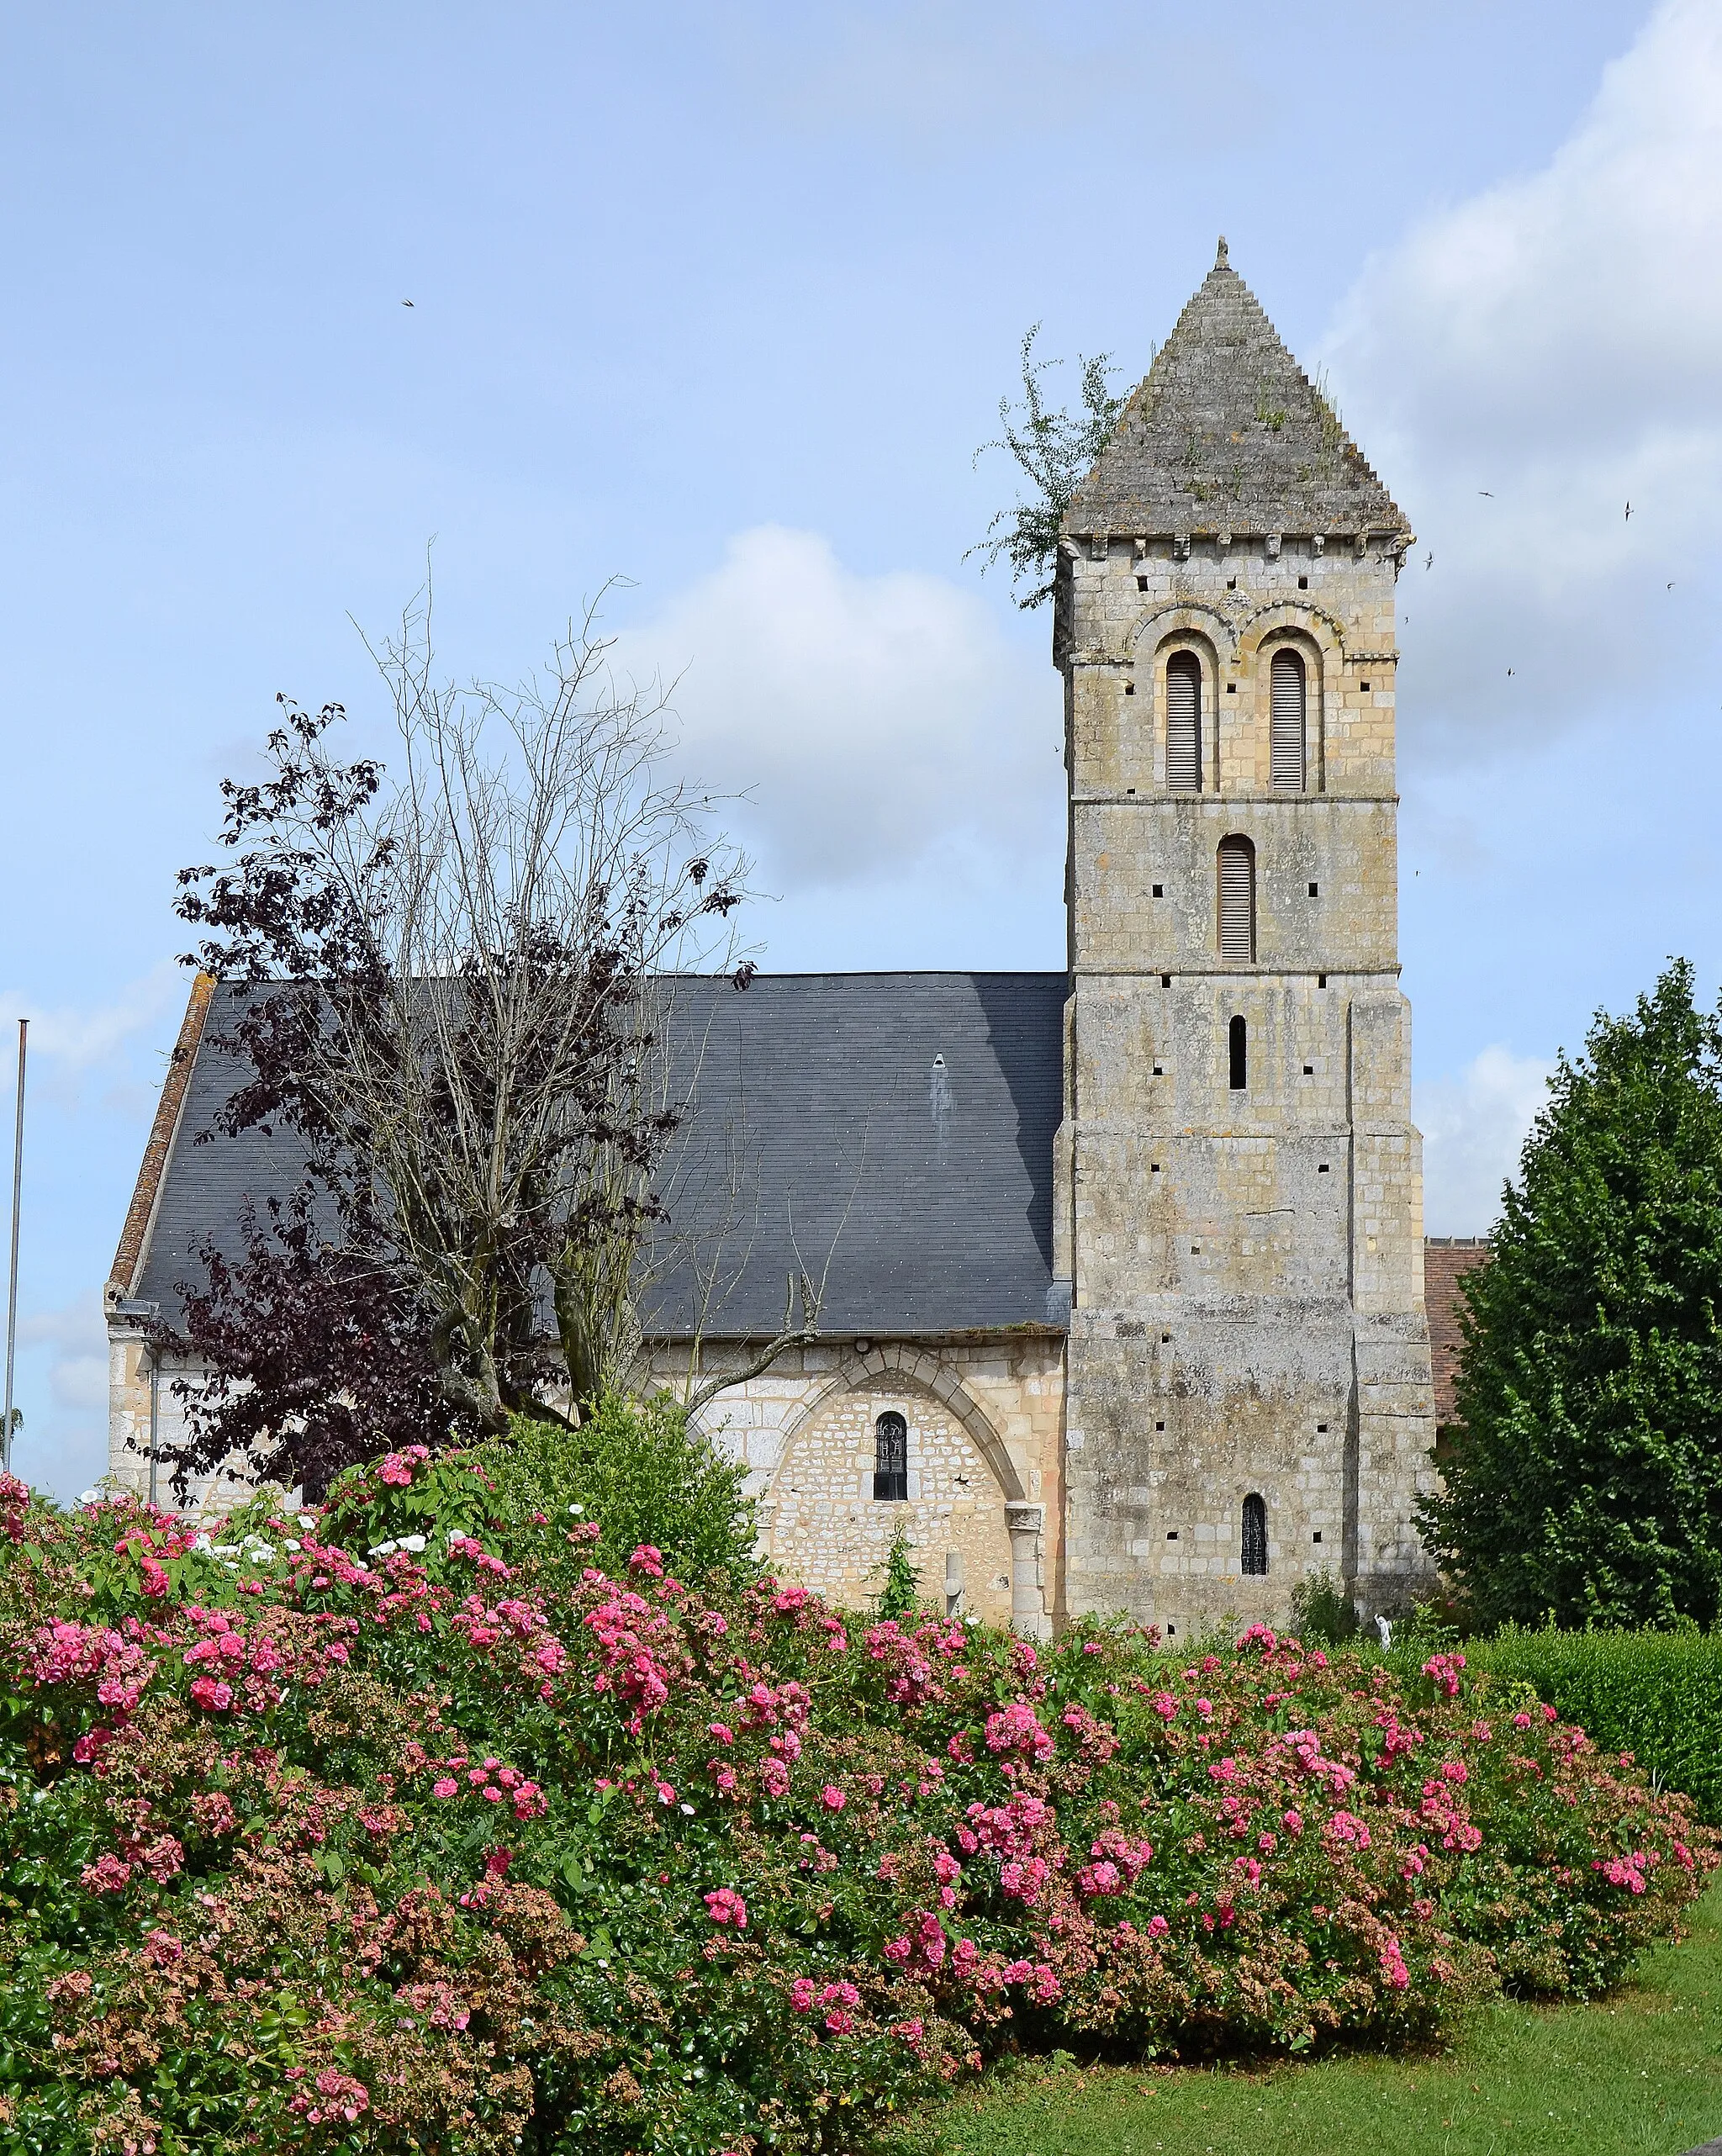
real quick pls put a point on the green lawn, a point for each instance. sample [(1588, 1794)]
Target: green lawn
[(1640, 2073)]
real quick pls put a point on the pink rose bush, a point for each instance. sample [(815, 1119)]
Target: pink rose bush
[(478, 1840)]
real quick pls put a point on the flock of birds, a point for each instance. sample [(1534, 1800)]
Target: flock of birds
[(1429, 561)]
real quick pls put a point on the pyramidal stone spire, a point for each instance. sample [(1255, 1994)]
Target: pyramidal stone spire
[(1227, 434)]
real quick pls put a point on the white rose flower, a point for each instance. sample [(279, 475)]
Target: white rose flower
[(412, 1542)]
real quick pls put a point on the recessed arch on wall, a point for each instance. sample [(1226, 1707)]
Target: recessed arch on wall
[(1313, 644), (877, 1372), (1184, 669)]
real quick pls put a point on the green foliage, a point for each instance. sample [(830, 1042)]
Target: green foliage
[(437, 1835), (1656, 1694), (635, 1468), (1587, 1482), (1637, 2074), (899, 1594), (1055, 450), (1322, 1610)]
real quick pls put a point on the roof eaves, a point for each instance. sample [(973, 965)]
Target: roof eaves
[(152, 1175)]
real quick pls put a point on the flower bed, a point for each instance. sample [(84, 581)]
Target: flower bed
[(403, 1826)]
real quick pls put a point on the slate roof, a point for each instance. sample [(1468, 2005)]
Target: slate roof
[(1228, 433), (894, 1130)]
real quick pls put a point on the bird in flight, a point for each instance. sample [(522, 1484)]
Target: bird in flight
[(1629, 512), (1486, 495), (1430, 562), (1673, 581), (1509, 673), (406, 302)]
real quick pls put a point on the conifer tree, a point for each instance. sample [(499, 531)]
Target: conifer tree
[(1586, 1481)]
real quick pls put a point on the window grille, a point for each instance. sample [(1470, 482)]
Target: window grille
[(1286, 728), (1184, 723), (1237, 867), (1255, 1535), (890, 1459), (1238, 1045)]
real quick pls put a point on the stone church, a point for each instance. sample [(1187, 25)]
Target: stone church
[(1124, 1265)]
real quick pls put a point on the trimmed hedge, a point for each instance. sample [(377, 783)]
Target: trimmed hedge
[(1657, 1695)]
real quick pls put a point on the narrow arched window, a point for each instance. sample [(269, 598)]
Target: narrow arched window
[(1255, 1535), (1184, 723), (1237, 901), (890, 1459), (1237, 1051), (1287, 702)]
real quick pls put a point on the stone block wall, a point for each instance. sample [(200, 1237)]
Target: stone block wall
[(985, 1418), (1246, 1261)]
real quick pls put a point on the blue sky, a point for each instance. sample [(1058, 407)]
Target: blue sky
[(722, 300)]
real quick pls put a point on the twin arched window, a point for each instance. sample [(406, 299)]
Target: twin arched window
[(1288, 722), (890, 1459)]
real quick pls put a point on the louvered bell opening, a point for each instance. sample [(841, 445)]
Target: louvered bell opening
[(1285, 750), (1183, 723), (1238, 901)]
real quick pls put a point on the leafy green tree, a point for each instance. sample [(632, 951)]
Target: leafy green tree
[(1055, 450), (1586, 1481)]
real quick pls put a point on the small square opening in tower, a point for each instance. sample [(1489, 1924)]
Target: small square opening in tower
[(1303, 583), (1160, 889), (1318, 1535), (1321, 980), (1129, 688), (1315, 890), (1166, 980), (1363, 684), (1231, 689), (1159, 1425), (1166, 1339), (1321, 1429), (1323, 1169), (1309, 1071), (1231, 583), (1158, 1072), (1171, 1534)]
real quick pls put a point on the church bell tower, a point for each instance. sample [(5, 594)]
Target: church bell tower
[(1240, 1187)]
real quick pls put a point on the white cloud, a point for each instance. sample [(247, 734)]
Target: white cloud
[(77, 1338), (78, 1037), (1474, 1128), (1557, 340), (877, 722)]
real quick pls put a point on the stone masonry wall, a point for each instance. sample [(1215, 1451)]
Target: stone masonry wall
[(1246, 1263), (985, 1416)]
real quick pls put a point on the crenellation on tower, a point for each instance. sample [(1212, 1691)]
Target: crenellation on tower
[(1241, 1184)]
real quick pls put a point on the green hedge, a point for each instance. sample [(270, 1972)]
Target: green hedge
[(1656, 1694)]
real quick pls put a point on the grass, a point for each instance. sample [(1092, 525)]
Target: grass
[(1636, 2074)]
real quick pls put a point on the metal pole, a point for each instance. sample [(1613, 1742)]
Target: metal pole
[(24, 1027)]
